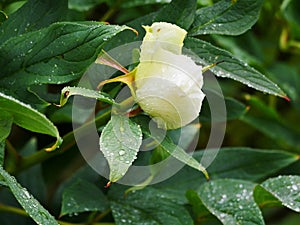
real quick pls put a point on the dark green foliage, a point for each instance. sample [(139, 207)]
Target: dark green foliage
[(48, 48)]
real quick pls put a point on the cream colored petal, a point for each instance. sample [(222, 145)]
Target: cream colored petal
[(168, 84), (162, 35)]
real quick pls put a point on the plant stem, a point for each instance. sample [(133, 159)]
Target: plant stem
[(68, 143), (101, 215), (11, 209), (22, 212), (12, 159), (111, 11)]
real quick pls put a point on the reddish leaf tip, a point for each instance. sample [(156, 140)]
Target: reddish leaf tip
[(108, 184), (287, 98)]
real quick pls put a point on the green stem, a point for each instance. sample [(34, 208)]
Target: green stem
[(111, 11), (12, 159), (22, 212), (11, 209), (101, 215), (68, 142)]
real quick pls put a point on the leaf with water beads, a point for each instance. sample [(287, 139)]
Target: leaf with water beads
[(34, 209), (67, 92), (83, 196), (286, 189), (27, 117), (120, 142), (232, 67), (231, 201), (58, 58), (147, 206), (226, 17)]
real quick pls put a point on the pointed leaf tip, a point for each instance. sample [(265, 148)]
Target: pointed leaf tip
[(286, 98), (108, 184)]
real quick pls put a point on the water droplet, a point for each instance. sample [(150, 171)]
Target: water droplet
[(26, 193), (295, 187), (121, 152), (222, 215)]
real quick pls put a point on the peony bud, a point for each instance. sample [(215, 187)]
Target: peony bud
[(167, 83)]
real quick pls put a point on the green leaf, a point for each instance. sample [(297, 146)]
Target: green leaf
[(234, 108), (199, 210), (83, 196), (34, 209), (83, 5), (231, 67), (290, 84), (286, 189), (265, 119), (2, 149), (186, 135), (177, 152), (32, 178), (231, 201), (237, 163), (6, 120), (249, 164), (42, 14), (264, 198), (290, 9), (148, 206), (53, 55), (67, 92), (120, 142), (135, 3), (226, 17), (29, 118), (167, 144), (177, 12)]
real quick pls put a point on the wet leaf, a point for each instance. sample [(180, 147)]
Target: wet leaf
[(286, 189), (28, 118), (34, 209), (231, 201), (67, 92), (148, 206), (120, 142), (83, 196), (231, 67), (226, 17), (53, 55), (167, 144), (236, 163), (42, 14), (178, 12)]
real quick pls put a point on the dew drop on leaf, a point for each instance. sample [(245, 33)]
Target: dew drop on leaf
[(121, 152)]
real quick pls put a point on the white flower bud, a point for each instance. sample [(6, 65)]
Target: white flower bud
[(168, 84)]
